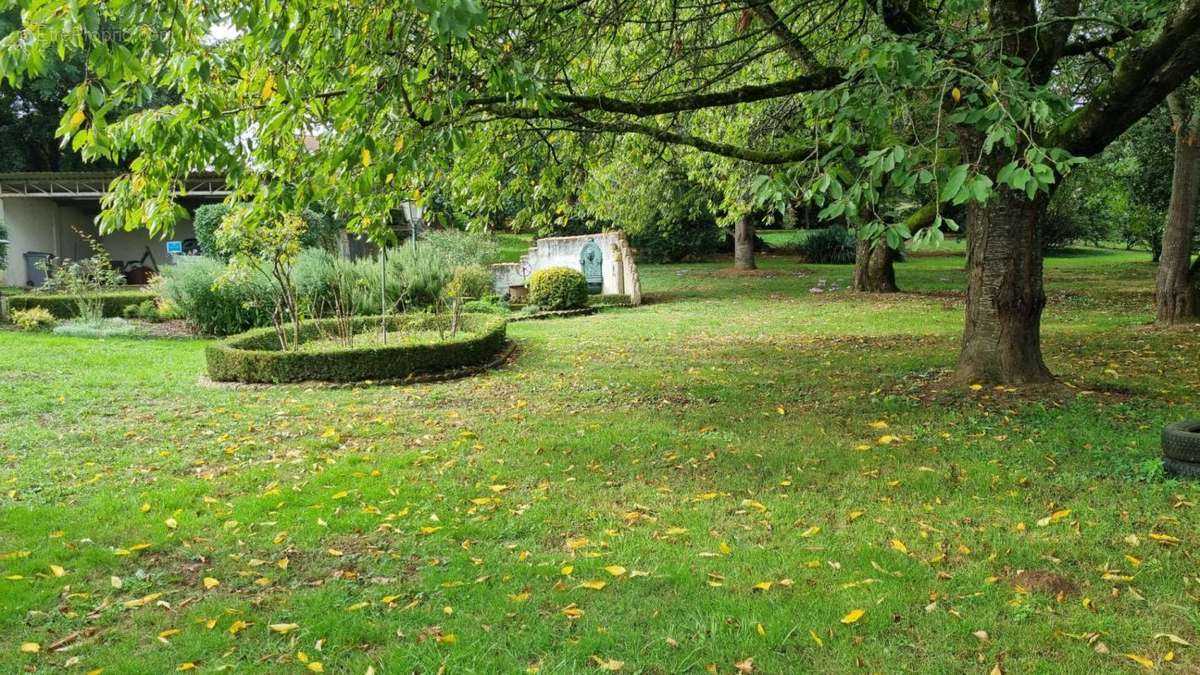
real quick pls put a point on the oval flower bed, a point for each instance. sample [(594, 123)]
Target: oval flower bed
[(413, 348)]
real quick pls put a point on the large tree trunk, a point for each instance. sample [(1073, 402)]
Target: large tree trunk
[(874, 270), (1175, 295), (1002, 337), (743, 243)]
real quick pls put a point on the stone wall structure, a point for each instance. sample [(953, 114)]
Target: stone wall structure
[(619, 274)]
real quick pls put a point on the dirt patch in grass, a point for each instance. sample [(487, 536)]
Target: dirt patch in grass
[(1042, 581), (168, 329), (940, 386)]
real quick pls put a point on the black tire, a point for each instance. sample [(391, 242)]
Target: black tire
[(1180, 469), (1181, 441)]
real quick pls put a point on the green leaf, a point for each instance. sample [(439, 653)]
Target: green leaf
[(954, 182)]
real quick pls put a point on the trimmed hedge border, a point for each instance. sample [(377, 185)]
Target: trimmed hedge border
[(609, 300), (64, 307), (505, 355), (254, 356)]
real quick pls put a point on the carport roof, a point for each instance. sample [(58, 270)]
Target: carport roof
[(93, 184)]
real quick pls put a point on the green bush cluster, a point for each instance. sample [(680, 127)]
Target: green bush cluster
[(150, 310), (413, 278), (320, 231), (681, 226), (459, 248), (67, 306), (609, 300), (556, 288), (491, 304), (830, 246), (255, 356), (470, 282), (195, 286), (34, 318)]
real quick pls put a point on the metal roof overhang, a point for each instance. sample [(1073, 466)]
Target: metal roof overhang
[(94, 185)]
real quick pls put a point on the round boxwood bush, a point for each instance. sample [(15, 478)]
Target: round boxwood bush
[(556, 288), (254, 356)]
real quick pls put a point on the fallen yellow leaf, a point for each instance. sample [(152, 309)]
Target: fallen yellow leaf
[(144, 600), (853, 616), (1141, 661), (572, 612)]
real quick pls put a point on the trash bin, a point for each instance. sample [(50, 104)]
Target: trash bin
[(36, 263)]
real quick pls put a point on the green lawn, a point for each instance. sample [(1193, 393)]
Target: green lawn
[(721, 450), (513, 246)]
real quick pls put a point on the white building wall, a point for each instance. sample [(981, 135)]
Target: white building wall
[(32, 226), (131, 246), (39, 224), (618, 268)]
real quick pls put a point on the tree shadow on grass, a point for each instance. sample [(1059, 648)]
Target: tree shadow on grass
[(1076, 252)]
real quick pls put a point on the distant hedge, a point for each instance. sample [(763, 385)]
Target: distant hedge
[(255, 356), (64, 307), (610, 300)]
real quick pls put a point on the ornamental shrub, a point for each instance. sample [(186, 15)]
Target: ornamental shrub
[(320, 231), (148, 310), (205, 222), (556, 288), (491, 304), (459, 248), (470, 282), (195, 288), (34, 318), (830, 246)]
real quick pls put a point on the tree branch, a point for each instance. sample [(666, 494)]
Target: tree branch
[(791, 43), (826, 78), (1081, 47), (1141, 81), (1052, 39), (659, 134)]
